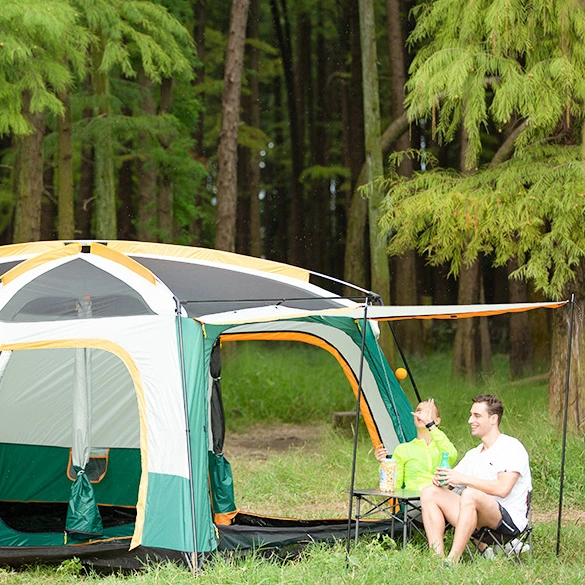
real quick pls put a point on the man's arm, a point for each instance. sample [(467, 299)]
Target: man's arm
[(500, 487)]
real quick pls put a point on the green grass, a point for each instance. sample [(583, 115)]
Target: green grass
[(281, 382), (271, 384)]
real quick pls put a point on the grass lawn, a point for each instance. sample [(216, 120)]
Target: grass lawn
[(272, 386)]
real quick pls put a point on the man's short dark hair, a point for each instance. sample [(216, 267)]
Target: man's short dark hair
[(493, 403)]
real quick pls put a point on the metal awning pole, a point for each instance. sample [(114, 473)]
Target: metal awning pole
[(194, 562), (565, 416), (357, 420)]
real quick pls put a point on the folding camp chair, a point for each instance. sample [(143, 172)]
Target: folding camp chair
[(512, 547)]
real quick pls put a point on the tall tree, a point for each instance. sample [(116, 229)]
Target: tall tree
[(28, 177), (380, 274), (405, 287), (42, 47), (65, 188), (296, 236), (249, 238), (495, 66), (124, 33), (146, 170), (354, 266), (227, 153)]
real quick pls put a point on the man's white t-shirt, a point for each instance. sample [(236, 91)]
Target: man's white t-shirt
[(506, 454)]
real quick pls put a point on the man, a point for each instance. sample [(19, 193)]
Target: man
[(489, 487)]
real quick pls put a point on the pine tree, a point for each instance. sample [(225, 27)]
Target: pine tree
[(514, 65), (125, 32), (42, 47)]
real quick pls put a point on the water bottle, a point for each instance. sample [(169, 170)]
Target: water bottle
[(444, 464)]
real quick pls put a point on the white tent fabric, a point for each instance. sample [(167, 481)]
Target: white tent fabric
[(158, 386)]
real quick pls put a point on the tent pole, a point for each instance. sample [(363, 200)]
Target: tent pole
[(565, 416), (355, 435), (195, 565)]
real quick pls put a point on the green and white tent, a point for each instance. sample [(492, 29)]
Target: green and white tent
[(111, 423)]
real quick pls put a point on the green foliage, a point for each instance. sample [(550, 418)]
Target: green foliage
[(530, 208), (42, 47), (318, 173), (70, 567), (483, 60), (126, 30)]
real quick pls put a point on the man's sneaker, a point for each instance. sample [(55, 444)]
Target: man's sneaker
[(517, 547), (488, 553)]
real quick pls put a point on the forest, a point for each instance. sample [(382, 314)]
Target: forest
[(429, 151)]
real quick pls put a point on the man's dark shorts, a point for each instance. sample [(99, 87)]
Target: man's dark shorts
[(506, 525)]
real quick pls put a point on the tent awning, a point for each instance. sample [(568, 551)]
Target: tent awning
[(377, 313)]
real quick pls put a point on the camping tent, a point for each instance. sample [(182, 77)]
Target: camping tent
[(111, 423), (108, 413)]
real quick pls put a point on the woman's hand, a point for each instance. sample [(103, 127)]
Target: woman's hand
[(425, 412), (380, 452)]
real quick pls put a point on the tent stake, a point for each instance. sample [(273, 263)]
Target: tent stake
[(355, 435), (565, 415)]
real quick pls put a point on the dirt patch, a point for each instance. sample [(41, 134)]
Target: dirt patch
[(570, 516), (260, 442)]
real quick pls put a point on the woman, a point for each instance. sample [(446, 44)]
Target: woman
[(418, 459)]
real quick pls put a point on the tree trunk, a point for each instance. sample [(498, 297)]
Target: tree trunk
[(521, 343), (146, 208), (49, 205), (558, 370), (199, 132), (276, 209), (375, 169), (320, 104), (85, 199), (65, 214), (296, 236), (252, 117), (227, 153), (353, 148), (487, 367), (467, 350), (28, 178), (105, 189), (165, 180), (409, 333), (472, 352), (355, 248), (125, 212)]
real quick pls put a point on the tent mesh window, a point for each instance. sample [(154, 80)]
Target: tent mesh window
[(58, 293)]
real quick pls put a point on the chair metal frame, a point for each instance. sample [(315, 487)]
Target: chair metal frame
[(502, 543)]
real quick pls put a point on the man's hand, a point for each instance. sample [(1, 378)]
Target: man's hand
[(501, 486), (445, 477)]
